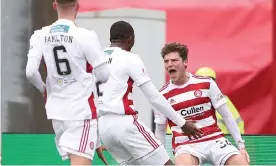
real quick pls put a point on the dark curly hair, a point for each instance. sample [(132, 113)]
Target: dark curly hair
[(121, 30), (175, 47)]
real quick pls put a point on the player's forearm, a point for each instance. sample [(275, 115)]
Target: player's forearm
[(102, 73), (35, 79), (160, 133), (161, 104), (231, 125), (98, 144), (33, 74)]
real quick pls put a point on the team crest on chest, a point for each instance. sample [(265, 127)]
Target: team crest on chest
[(198, 93)]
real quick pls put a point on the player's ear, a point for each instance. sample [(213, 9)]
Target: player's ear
[(77, 7), (55, 5), (131, 41), (185, 63)]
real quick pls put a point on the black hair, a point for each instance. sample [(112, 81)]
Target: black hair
[(64, 2), (120, 31)]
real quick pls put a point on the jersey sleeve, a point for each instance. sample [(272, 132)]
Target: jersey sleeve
[(35, 48), (137, 71), (215, 94), (159, 118), (34, 58), (93, 50)]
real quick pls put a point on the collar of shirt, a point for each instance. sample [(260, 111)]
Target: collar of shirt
[(65, 21)]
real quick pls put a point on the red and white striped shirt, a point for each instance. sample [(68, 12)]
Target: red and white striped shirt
[(198, 100)]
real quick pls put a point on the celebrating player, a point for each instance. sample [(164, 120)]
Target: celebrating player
[(197, 98), (127, 139), (66, 49)]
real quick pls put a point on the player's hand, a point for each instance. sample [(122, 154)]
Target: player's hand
[(100, 153), (190, 129), (244, 152), (44, 94)]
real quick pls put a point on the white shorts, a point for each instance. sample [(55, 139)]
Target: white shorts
[(213, 152), (78, 137), (130, 142)]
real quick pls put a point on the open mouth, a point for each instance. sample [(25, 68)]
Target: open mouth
[(172, 71)]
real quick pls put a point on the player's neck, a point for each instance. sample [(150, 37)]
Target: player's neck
[(66, 16), (182, 80), (120, 45)]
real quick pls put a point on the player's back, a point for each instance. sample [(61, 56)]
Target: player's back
[(115, 96), (69, 86)]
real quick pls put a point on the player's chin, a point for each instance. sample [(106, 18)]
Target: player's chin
[(173, 77)]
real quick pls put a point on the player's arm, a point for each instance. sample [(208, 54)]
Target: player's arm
[(96, 57), (236, 115), (99, 149), (137, 71), (160, 126), (219, 103), (33, 63)]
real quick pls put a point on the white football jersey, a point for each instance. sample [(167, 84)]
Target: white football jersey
[(66, 50), (115, 96)]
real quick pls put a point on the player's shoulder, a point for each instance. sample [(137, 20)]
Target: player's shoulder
[(133, 58), (86, 33), (42, 31), (199, 78), (85, 30), (129, 57), (45, 29), (165, 88), (201, 81), (38, 33)]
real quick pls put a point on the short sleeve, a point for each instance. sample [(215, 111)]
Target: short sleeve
[(93, 50), (35, 48), (159, 118), (137, 71), (216, 96)]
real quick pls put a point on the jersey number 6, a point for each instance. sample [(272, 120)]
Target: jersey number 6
[(59, 61)]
